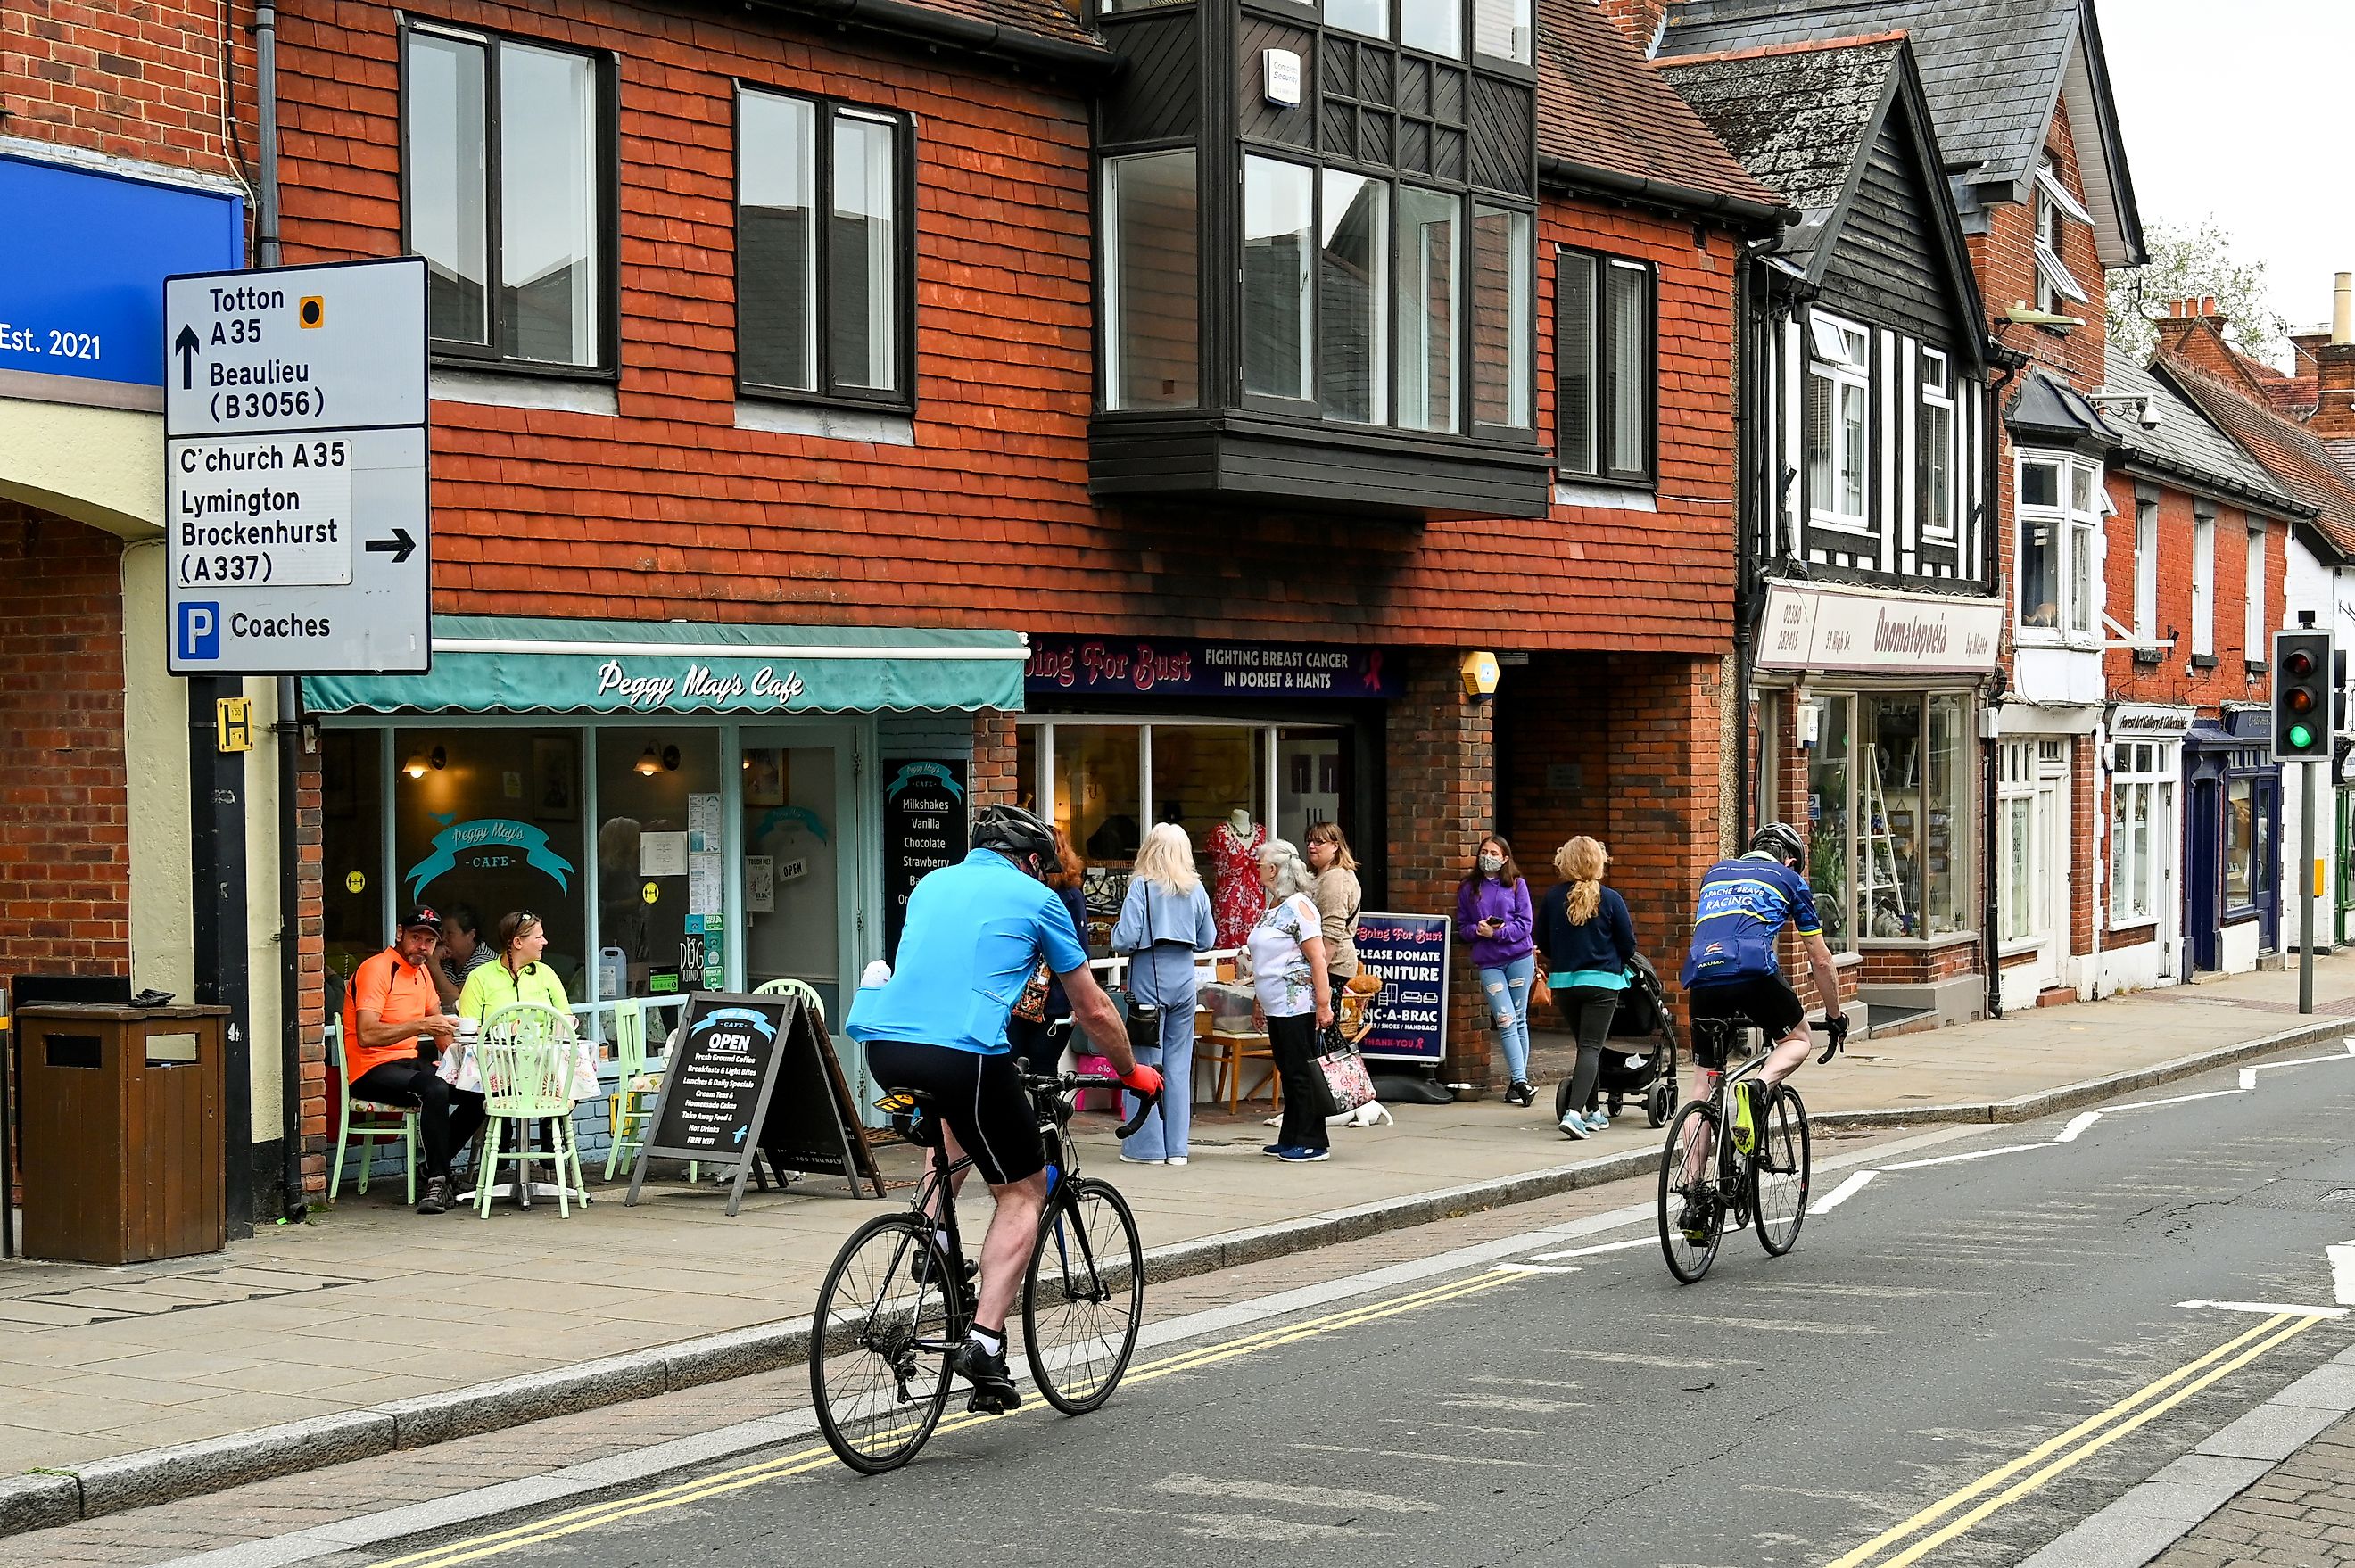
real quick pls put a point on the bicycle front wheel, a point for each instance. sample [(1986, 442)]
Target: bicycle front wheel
[(880, 1343), (1689, 1194), (1084, 1296), (1781, 1173)]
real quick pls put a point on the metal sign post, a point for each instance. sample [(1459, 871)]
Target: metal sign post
[(294, 469)]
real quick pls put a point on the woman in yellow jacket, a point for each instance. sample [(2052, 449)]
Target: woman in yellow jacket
[(518, 975)]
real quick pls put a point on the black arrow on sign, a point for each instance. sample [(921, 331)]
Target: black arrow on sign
[(401, 546), (185, 345)]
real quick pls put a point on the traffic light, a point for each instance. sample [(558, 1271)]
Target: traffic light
[(2302, 706)]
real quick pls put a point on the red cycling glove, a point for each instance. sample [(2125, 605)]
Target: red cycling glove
[(1142, 1081)]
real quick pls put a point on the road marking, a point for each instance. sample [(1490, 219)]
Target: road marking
[(1431, 1458), (498, 1542), (1185, 1486), (2248, 1077), (2174, 1100), (2089, 1437), (2305, 1060), (1606, 1247), (2264, 1307), (2077, 1124), (2342, 1272), (1538, 1268), (1975, 1154), (1843, 1192)]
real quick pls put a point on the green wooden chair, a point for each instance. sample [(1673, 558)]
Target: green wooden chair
[(635, 1089), (524, 1054), (367, 1123), (801, 989)]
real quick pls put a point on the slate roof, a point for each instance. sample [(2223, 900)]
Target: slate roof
[(1796, 116), (1602, 104), (1047, 18), (2286, 450), (2185, 439), (1991, 68), (2050, 408)]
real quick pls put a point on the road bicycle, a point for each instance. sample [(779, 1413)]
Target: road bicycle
[(895, 1308), (1711, 1183)]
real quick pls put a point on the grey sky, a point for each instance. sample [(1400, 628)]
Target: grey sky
[(2232, 109)]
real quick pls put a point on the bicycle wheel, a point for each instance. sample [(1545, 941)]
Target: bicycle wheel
[(1083, 1295), (1781, 1172), (880, 1346), (1691, 1146)]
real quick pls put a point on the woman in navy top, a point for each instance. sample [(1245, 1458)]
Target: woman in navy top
[(1588, 941)]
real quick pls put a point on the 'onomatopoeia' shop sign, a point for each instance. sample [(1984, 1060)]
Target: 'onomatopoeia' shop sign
[(1172, 667), (755, 1075), (1410, 953), (924, 829)]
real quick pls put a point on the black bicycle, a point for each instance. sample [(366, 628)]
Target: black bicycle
[(894, 1309), (1709, 1182)]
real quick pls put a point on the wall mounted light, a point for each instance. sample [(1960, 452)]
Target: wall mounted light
[(648, 764), (1480, 672), (421, 762)]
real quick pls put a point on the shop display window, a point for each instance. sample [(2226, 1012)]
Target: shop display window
[(1827, 820), (1888, 806), (2240, 842), (1203, 774), (490, 818), (2142, 814)]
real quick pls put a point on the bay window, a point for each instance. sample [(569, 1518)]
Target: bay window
[(1839, 397), (2060, 572), (1502, 253), (1353, 324), (1428, 290), (1152, 337), (1279, 207)]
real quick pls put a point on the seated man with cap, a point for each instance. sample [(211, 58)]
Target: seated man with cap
[(393, 1029)]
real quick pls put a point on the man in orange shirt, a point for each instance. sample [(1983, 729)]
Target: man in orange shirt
[(393, 1029)]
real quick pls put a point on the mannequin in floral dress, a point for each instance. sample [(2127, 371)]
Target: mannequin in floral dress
[(1238, 900)]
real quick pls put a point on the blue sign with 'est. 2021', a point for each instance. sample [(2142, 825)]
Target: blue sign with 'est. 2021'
[(82, 276)]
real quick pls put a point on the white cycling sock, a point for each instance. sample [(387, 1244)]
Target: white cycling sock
[(991, 1344), (941, 1235)]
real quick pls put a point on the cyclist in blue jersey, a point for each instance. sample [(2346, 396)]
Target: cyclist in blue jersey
[(973, 935), (1733, 973)]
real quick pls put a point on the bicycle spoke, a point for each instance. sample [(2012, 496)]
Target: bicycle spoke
[(1688, 1197), (1784, 1170), (1083, 1297), (877, 1387)]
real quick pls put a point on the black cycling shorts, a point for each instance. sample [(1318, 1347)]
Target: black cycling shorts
[(980, 1097), (1766, 1000)]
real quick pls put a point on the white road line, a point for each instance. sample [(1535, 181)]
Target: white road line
[(2264, 1308), (2304, 1061), (1537, 1268), (2248, 1077), (1975, 1154), (2077, 1124), (2177, 1100), (1843, 1192), (2342, 1272), (1590, 1251)]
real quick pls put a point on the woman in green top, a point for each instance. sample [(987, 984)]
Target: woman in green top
[(519, 975)]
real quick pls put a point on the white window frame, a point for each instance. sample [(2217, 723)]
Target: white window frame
[(1942, 395), (2146, 567), (2021, 922), (2203, 584), (1843, 361), (2055, 284), (2078, 620), (2253, 615), (2142, 788)]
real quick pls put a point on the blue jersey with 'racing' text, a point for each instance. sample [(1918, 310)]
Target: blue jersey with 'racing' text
[(1745, 904)]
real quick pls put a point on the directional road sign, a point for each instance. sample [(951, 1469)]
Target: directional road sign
[(294, 469)]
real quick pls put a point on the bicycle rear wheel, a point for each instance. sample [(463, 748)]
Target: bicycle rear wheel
[(1083, 1295), (1692, 1148), (1781, 1173), (880, 1346)]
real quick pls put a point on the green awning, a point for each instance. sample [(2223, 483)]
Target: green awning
[(489, 663)]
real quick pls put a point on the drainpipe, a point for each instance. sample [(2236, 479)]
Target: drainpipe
[(1749, 541), (1990, 543)]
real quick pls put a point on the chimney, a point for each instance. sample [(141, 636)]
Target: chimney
[(1640, 22), (2334, 366), (2193, 330), (2342, 308)]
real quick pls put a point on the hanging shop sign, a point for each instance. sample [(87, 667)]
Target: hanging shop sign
[(2135, 720), (1172, 667), (1410, 952), (1809, 628), (924, 828)]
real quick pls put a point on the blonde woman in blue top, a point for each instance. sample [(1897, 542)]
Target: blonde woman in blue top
[(1165, 921), (1588, 941)]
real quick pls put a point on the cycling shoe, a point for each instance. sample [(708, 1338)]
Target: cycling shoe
[(993, 1385)]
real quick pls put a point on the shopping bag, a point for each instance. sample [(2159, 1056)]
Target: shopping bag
[(1342, 1070)]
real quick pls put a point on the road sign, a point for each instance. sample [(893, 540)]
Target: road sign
[(294, 454)]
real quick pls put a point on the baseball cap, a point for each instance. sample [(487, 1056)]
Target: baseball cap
[(425, 917)]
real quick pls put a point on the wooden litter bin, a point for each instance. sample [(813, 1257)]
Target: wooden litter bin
[(122, 1136)]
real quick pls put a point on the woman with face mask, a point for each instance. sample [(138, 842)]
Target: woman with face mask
[(1493, 913)]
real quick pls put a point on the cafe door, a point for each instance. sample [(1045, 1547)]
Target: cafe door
[(797, 861)]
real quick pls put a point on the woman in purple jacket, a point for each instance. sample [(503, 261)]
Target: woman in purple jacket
[(1492, 913)]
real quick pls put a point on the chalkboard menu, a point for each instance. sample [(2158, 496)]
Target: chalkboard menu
[(755, 1075), (924, 828)]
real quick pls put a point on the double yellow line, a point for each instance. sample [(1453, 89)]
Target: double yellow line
[(679, 1495), (1915, 1537)]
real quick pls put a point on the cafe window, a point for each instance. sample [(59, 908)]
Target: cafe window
[(506, 170), (659, 859), (1603, 366), (2142, 831), (824, 219)]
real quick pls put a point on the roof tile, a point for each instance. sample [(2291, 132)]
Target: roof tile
[(2289, 452)]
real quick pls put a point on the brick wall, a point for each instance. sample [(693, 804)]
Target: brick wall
[(2174, 678), (1919, 965), (2005, 259), (319, 1097), (1441, 769), (141, 79), (2086, 838), (65, 837), (996, 781)]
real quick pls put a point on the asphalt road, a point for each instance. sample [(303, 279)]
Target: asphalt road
[(1936, 1326)]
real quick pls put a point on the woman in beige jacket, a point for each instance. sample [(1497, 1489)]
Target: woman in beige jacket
[(1337, 896)]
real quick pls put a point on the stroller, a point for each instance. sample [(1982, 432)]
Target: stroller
[(1640, 1058)]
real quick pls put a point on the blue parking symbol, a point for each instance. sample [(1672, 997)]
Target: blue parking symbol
[(200, 635)]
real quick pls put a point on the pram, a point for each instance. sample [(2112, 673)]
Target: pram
[(1641, 1056)]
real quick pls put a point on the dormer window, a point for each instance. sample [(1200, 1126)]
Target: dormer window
[(2056, 287), (1840, 401)]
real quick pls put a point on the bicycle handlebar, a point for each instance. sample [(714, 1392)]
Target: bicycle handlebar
[(1072, 1083)]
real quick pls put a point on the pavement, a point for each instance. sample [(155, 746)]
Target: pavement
[(374, 1328)]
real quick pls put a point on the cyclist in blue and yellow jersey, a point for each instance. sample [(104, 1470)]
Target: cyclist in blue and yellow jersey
[(973, 935), (1733, 973)]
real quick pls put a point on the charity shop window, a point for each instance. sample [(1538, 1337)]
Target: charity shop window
[(825, 219), (2057, 288), (2059, 565), (1839, 398), (1936, 452), (506, 191), (1604, 353), (2142, 833)]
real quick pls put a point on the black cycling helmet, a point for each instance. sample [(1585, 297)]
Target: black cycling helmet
[(1780, 840), (1017, 835)]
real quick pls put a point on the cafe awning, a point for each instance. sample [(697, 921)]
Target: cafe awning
[(491, 664)]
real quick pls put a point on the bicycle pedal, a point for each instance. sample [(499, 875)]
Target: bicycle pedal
[(984, 1402)]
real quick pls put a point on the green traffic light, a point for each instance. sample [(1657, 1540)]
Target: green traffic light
[(2300, 737)]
